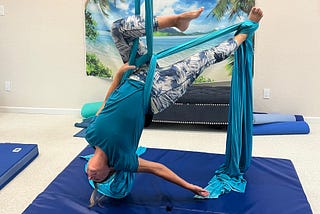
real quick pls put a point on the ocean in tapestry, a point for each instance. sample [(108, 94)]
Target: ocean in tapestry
[(103, 59)]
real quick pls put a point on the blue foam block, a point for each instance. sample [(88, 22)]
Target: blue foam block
[(273, 187), (272, 118), (14, 157)]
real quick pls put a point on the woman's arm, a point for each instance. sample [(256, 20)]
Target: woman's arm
[(115, 82), (164, 172)]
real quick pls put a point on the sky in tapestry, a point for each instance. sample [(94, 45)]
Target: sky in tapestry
[(103, 58)]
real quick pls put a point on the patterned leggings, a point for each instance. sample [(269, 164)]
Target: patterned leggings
[(170, 82)]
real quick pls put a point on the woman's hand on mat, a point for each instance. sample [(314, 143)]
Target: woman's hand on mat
[(125, 67), (199, 191)]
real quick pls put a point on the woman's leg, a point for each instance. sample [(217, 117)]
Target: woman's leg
[(180, 21), (125, 31), (164, 172), (171, 82)]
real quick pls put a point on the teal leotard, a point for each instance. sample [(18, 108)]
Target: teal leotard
[(117, 129)]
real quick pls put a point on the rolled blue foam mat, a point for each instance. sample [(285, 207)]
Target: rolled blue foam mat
[(281, 128), (90, 109)]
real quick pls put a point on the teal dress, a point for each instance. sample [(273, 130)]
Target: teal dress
[(117, 129)]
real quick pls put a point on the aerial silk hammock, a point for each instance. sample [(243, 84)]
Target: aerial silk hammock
[(239, 133)]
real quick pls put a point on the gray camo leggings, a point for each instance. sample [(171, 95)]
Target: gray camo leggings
[(170, 82)]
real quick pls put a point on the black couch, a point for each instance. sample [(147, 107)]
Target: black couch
[(201, 104)]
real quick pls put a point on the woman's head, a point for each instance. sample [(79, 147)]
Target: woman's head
[(98, 169), (99, 174)]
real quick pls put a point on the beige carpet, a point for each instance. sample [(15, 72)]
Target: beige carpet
[(57, 147)]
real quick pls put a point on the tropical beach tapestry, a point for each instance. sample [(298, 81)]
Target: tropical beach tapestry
[(103, 59)]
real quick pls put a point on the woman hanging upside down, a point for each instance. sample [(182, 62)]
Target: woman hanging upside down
[(116, 130)]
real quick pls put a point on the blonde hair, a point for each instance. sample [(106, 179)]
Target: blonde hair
[(96, 197)]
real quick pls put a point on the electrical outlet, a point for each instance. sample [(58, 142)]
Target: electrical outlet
[(7, 85), (266, 93)]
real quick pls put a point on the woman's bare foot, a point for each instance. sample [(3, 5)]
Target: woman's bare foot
[(184, 19), (180, 21), (199, 191), (255, 14), (98, 169)]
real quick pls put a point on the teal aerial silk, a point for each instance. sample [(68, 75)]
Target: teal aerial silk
[(239, 134)]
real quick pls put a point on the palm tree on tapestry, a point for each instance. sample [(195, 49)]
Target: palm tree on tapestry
[(105, 5), (94, 67), (233, 7)]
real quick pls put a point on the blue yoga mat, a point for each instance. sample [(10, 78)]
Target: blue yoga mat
[(81, 133), (281, 128), (14, 157), (85, 122), (273, 187)]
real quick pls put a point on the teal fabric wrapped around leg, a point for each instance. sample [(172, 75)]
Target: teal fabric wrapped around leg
[(239, 133)]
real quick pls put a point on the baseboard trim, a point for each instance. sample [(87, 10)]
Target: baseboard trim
[(31, 110)]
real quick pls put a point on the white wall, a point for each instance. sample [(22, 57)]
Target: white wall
[(42, 52), (287, 57)]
